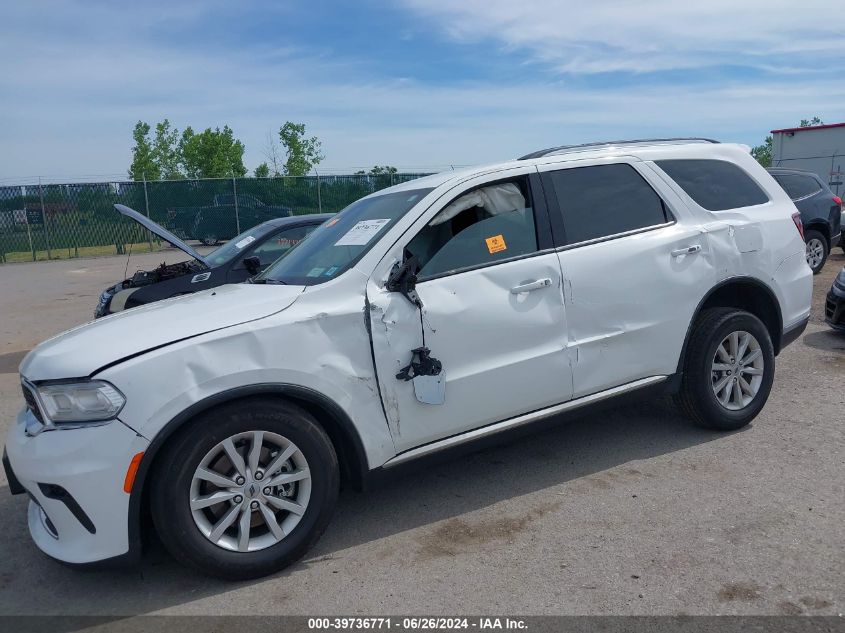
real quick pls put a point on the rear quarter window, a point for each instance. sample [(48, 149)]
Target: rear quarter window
[(715, 185)]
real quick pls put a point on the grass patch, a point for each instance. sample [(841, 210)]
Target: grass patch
[(81, 251)]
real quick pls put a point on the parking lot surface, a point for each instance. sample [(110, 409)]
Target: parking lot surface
[(633, 511)]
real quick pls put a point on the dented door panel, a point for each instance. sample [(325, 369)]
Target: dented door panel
[(502, 353), (616, 335)]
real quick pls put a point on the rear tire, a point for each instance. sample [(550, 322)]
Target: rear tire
[(298, 491), (710, 370), (817, 250)]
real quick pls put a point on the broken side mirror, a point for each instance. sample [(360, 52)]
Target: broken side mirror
[(403, 279), (252, 264)]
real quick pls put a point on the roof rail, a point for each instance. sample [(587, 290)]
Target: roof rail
[(643, 141)]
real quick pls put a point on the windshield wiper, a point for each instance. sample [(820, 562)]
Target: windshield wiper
[(273, 282)]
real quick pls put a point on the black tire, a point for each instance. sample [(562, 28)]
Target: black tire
[(816, 235), (174, 471), (696, 399)]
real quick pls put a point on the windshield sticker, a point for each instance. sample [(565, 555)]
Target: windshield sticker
[(315, 272), (496, 244), (362, 232), (247, 240), (331, 271)]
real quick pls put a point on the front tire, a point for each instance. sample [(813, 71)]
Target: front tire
[(817, 250), (246, 489), (728, 369)]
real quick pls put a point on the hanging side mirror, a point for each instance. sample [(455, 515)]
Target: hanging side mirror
[(403, 279)]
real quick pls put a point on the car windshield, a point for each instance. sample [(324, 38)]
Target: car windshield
[(236, 245), (339, 243)]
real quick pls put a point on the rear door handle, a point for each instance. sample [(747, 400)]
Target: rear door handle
[(531, 285), (689, 250)]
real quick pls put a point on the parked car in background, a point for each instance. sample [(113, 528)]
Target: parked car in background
[(220, 221), (239, 259), (834, 305), (821, 212), (419, 319)]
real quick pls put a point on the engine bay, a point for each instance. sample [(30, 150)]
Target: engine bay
[(162, 272)]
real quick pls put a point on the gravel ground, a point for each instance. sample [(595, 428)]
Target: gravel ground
[(634, 511)]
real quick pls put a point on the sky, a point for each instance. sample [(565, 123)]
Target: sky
[(418, 84)]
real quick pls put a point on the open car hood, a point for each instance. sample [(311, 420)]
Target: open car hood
[(159, 230)]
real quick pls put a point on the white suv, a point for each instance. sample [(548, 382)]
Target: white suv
[(420, 318)]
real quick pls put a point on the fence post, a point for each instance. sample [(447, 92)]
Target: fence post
[(28, 227), (44, 219), (147, 206), (237, 213), (319, 198)]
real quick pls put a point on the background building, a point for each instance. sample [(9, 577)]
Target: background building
[(819, 149)]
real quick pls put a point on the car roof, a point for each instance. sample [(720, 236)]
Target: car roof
[(295, 220), (647, 149)]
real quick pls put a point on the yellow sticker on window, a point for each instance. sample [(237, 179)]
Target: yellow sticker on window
[(496, 244)]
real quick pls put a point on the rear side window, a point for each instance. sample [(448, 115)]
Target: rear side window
[(715, 185), (797, 186), (604, 200)]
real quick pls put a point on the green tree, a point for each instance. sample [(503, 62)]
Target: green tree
[(262, 171), (811, 122), (763, 153), (302, 153), (144, 164), (383, 170), (212, 153), (166, 151)]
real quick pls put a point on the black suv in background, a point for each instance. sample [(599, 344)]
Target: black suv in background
[(821, 212)]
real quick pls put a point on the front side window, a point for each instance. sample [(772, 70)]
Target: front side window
[(796, 186), (483, 226), (341, 241), (715, 185), (604, 200)]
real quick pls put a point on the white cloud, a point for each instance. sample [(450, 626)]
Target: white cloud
[(621, 35), (70, 94)]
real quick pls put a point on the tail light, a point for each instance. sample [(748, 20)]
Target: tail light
[(796, 217), (837, 200)]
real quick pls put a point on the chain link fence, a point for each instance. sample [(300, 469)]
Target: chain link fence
[(59, 221)]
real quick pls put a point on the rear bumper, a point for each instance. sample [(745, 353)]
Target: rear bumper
[(78, 511)]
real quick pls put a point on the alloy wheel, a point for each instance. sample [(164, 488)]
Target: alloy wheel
[(737, 370), (815, 252), (250, 491)]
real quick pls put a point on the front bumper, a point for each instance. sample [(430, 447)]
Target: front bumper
[(834, 307), (78, 510), (104, 302)]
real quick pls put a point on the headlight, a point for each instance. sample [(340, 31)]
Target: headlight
[(74, 403)]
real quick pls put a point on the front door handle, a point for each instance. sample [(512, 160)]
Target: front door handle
[(531, 285), (689, 250)]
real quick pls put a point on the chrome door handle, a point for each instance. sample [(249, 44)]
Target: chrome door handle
[(532, 285), (689, 250)]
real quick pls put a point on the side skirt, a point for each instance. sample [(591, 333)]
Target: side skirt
[(496, 433)]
